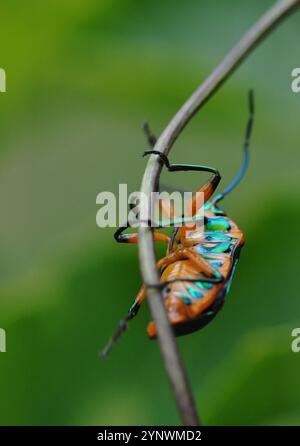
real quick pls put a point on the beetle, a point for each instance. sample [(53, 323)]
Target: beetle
[(196, 273)]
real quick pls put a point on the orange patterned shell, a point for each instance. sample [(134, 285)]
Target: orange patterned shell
[(191, 305)]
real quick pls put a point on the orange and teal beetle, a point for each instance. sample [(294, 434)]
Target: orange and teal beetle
[(196, 273)]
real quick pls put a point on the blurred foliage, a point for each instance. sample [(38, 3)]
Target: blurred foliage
[(253, 399), (82, 77)]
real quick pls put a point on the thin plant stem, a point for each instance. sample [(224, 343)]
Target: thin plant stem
[(167, 342)]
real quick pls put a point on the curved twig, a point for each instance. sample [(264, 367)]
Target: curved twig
[(167, 343)]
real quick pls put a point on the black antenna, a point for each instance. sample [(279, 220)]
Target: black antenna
[(151, 138), (245, 163)]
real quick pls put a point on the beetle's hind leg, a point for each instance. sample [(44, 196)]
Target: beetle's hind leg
[(123, 324), (207, 189)]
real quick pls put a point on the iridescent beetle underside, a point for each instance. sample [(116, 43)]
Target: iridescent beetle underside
[(196, 274)]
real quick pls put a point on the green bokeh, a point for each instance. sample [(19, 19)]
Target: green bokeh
[(81, 78)]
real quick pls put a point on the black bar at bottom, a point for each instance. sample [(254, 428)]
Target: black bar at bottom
[(133, 434)]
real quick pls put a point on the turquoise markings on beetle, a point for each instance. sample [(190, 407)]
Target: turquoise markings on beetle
[(185, 299), (218, 249), (217, 236), (204, 285), (217, 224), (194, 293)]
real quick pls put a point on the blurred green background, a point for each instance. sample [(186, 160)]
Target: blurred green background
[(81, 78)]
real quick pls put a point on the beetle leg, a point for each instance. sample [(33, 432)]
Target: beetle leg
[(162, 263), (207, 189), (133, 237), (203, 264), (167, 208), (132, 311)]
